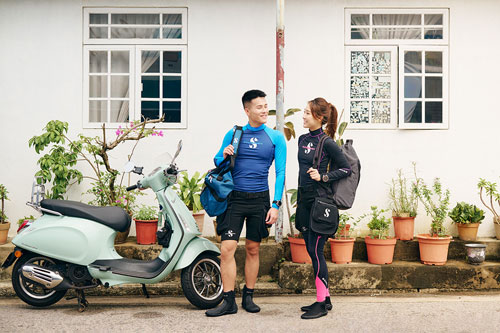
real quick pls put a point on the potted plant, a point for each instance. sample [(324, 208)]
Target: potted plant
[(189, 190), (467, 218), (146, 222), (404, 204), (379, 246), (342, 245), (494, 196), (297, 244), (434, 245), (4, 224)]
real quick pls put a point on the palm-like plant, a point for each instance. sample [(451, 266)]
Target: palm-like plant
[(189, 190), (3, 197)]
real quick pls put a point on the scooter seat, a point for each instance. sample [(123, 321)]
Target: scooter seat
[(113, 217)]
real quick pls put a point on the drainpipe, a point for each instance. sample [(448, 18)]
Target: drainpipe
[(280, 91)]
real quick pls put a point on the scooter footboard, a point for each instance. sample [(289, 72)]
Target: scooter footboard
[(193, 249)]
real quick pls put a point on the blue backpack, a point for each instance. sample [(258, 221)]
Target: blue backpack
[(219, 181)]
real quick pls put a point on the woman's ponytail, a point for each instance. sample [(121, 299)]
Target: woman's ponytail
[(331, 125)]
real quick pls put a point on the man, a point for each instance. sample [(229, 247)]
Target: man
[(259, 146)]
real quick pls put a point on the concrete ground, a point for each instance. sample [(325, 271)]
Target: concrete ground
[(472, 312)]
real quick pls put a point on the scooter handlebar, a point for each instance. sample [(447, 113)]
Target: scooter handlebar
[(130, 188)]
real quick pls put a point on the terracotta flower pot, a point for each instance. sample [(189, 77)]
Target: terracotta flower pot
[(121, 237), (200, 219), (403, 227), (496, 223), (342, 250), (433, 250), (467, 231), (380, 251), (146, 231), (4, 232), (299, 251)]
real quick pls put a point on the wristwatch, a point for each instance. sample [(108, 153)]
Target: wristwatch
[(277, 202), (325, 178)]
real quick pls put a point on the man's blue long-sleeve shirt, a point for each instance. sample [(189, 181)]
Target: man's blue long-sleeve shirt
[(258, 147)]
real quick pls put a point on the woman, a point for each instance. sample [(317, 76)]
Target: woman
[(317, 113)]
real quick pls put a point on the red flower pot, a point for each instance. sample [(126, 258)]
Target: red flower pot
[(342, 250), (403, 227), (433, 250), (146, 231), (380, 251), (299, 251)]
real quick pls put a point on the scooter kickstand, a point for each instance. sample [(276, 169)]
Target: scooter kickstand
[(144, 290), (82, 301)]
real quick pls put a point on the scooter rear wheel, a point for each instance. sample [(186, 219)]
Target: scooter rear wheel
[(30, 292), (202, 282)]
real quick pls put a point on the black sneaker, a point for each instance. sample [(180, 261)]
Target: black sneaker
[(247, 301), (228, 306), (317, 310), (328, 305)]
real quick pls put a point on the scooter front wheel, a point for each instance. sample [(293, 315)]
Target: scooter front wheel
[(30, 292), (202, 282)]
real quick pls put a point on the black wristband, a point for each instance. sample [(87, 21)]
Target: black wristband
[(277, 202)]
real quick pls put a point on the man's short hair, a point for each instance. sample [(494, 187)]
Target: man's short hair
[(250, 95)]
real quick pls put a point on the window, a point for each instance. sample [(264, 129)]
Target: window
[(391, 53), (135, 66)]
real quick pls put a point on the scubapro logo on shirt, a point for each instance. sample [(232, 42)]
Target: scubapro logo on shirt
[(308, 148), (327, 212), (253, 143)]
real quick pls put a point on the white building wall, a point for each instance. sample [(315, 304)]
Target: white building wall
[(231, 48)]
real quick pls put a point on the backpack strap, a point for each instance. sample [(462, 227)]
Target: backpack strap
[(319, 150), (235, 141)]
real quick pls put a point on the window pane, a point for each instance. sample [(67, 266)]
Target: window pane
[(359, 62), (360, 19), (98, 18), (413, 62), (413, 112), (145, 33), (433, 87), (120, 61), (434, 112), (397, 19), (135, 18), (150, 62), (360, 86), (150, 110), (381, 112), (413, 87), (98, 111), (433, 19), (172, 112), (172, 62), (172, 33), (171, 87), (360, 33), (381, 87), (396, 33), (172, 18), (98, 62), (119, 86), (150, 86), (433, 62), (119, 111), (359, 112), (381, 63), (98, 86), (433, 34), (98, 32)]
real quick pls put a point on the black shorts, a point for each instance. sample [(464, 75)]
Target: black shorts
[(244, 205)]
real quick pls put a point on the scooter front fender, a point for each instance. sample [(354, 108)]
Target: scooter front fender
[(193, 249)]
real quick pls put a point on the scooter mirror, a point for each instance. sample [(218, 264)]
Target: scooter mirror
[(179, 147), (129, 166)]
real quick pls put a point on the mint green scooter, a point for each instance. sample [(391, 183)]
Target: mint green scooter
[(71, 246)]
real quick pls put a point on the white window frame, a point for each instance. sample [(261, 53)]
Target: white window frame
[(86, 84), (138, 81), (394, 89), (369, 11), (444, 99), (133, 41)]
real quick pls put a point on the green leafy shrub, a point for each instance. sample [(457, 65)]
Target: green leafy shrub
[(3, 197), (378, 225), (494, 197), (404, 201), (465, 213), (343, 219), (146, 213), (189, 190)]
